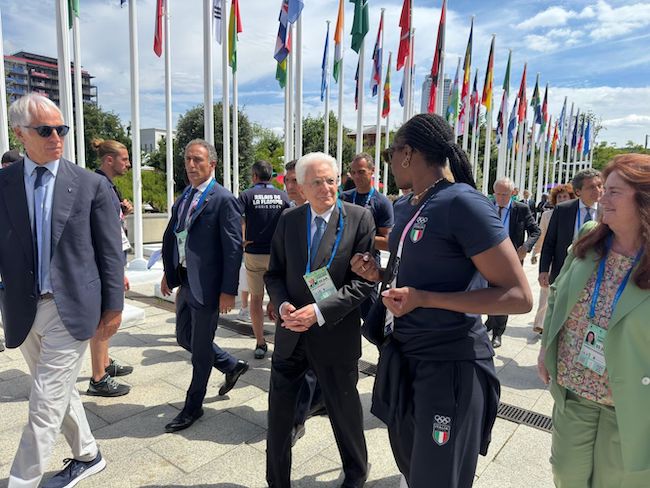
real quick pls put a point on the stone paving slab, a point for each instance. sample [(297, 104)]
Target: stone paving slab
[(226, 448)]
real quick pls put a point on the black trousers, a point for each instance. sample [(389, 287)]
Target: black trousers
[(497, 324), (436, 439), (196, 325), (338, 382), (310, 396)]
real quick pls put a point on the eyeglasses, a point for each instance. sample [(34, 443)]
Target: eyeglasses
[(318, 182), (387, 154), (46, 130)]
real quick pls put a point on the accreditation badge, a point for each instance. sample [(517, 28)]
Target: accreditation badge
[(592, 351), (320, 284), (126, 245), (181, 240)]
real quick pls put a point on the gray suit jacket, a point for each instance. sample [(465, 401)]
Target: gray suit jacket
[(87, 264)]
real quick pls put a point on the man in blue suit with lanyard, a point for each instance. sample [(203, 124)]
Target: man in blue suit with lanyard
[(202, 250)]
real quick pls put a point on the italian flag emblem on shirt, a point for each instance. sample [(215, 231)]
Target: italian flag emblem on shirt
[(441, 429), (416, 234)]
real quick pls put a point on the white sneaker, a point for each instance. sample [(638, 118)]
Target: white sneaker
[(244, 314)]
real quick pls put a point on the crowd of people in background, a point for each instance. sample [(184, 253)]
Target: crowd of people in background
[(314, 248)]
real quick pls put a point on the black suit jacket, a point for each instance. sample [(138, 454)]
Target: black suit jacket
[(522, 222), (87, 262), (559, 237), (339, 339), (213, 249)]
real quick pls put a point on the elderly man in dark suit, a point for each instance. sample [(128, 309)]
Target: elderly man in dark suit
[(518, 219), (62, 268), (202, 250), (566, 221), (318, 298)]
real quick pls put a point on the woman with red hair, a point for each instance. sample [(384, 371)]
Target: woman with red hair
[(596, 341)]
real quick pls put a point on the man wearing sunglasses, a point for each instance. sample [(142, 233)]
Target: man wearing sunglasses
[(61, 264)]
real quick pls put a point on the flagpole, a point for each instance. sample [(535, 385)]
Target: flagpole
[(235, 133), (541, 165), (488, 127), (441, 72), (466, 101), (326, 141), (531, 169), (473, 145), (290, 67), (411, 72), (225, 99), (169, 142), (380, 101), (78, 93), (359, 140), (287, 115), (386, 144), (520, 153), (574, 150), (567, 132), (208, 103), (339, 124), (547, 164), (139, 262), (4, 120), (299, 82), (65, 79)]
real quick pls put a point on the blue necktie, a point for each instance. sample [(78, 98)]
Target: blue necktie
[(588, 218), (37, 229), (183, 218), (315, 241)]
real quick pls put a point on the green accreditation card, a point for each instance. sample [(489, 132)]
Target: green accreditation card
[(181, 239), (592, 352), (320, 284)]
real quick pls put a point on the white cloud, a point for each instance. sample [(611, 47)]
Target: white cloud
[(629, 121), (551, 17), (612, 22), (541, 43)]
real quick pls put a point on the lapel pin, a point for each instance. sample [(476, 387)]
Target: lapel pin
[(69, 190)]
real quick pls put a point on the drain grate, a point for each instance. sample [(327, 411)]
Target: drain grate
[(525, 417), (367, 368)]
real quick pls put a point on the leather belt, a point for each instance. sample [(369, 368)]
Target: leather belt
[(47, 296)]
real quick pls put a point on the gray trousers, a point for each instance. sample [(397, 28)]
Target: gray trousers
[(54, 359)]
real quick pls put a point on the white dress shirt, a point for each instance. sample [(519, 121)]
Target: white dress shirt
[(582, 215)]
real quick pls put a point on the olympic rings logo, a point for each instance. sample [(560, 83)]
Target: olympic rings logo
[(441, 419)]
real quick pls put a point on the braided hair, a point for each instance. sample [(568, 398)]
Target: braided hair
[(431, 135)]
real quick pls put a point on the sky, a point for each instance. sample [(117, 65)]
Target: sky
[(592, 52)]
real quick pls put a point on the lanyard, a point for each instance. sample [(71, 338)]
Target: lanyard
[(339, 235), (368, 197), (601, 274), (506, 219), (264, 185), (204, 195), (407, 228)]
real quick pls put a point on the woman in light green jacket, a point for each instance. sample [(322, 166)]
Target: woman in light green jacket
[(596, 343)]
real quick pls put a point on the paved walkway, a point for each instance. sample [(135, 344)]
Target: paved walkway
[(226, 448)]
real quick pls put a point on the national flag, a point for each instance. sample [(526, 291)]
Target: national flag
[(501, 118), (547, 143), (523, 103), (325, 65), (294, 10), (581, 135), (405, 35), (452, 109), (281, 43), (375, 79), (158, 34), (535, 103), (562, 121), (73, 11), (356, 88), (574, 137), (587, 146), (234, 28), (385, 109), (545, 108), (281, 70), (467, 67), (437, 60), (486, 99), (556, 137), (338, 42), (512, 123), (473, 102), (360, 23), (401, 90), (217, 20)]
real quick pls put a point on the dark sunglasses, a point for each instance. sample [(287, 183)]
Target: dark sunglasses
[(387, 154), (46, 130)]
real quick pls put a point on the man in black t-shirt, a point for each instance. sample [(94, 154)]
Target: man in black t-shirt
[(261, 207)]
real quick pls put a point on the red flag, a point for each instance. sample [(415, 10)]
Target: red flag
[(523, 103), (437, 58), (158, 35), (405, 35)]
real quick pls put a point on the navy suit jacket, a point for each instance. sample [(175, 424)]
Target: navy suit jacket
[(87, 263), (213, 250), (559, 237)]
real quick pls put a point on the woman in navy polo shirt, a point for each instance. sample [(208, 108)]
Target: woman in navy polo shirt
[(436, 385)]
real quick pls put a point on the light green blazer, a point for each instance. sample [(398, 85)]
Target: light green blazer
[(627, 355)]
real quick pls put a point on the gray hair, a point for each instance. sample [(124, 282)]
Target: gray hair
[(212, 152), (310, 160), (586, 174), (504, 181), (369, 160), (21, 111)]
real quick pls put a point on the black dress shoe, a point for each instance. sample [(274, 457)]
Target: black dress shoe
[(296, 433), (183, 421), (233, 376), (496, 341)]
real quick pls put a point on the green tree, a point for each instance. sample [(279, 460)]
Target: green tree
[(190, 126), (158, 158), (99, 124), (313, 133), (268, 146), (154, 191)]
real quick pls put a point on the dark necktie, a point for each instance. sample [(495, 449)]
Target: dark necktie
[(318, 236), (37, 227), (183, 217), (501, 213), (588, 217)]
